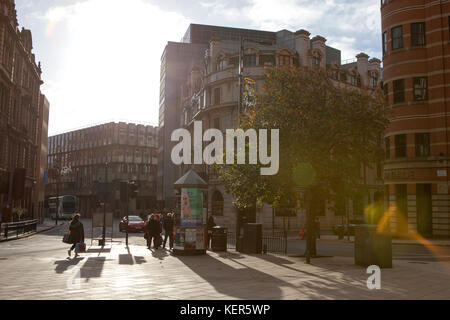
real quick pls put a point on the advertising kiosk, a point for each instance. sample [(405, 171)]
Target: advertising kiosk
[(190, 224)]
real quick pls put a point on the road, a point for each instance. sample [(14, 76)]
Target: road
[(399, 252)]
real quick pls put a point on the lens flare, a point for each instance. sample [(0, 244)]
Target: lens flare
[(383, 226)]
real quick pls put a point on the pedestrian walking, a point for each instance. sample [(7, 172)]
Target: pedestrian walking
[(209, 226), (168, 230), (76, 233), (153, 231)]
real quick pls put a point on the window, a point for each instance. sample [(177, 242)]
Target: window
[(399, 90), (217, 204), (250, 60), (420, 89), (315, 62), (400, 146), (353, 80), (217, 96), (284, 60), (385, 45), (267, 60), (221, 64), (418, 34), (422, 142), (387, 143), (397, 37), (373, 82), (334, 75), (344, 77), (234, 61), (216, 124)]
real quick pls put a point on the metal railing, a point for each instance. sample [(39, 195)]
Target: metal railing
[(274, 242), (16, 229)]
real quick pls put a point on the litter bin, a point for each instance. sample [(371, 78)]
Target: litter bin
[(371, 247), (252, 242), (219, 239)]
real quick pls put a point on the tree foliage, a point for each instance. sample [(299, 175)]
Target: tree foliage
[(327, 133)]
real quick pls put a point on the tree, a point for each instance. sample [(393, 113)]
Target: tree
[(328, 133)]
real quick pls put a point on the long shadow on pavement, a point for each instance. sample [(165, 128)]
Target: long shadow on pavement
[(242, 281), (320, 283), (64, 265)]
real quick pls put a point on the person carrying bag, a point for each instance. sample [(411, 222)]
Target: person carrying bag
[(76, 236)]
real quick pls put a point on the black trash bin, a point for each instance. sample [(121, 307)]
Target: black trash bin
[(372, 247), (219, 239), (252, 242)]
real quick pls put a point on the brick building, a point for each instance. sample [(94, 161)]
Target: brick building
[(128, 150), (20, 116), (416, 75)]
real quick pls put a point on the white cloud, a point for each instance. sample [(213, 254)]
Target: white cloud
[(112, 61), (350, 26)]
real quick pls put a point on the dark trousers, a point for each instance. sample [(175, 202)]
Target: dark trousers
[(149, 240), (170, 236), (73, 246), (208, 239)]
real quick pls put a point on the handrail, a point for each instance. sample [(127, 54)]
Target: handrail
[(21, 227)]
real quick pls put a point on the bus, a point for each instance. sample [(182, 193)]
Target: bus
[(67, 207)]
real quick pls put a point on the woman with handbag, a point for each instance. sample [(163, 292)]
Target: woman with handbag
[(76, 233)]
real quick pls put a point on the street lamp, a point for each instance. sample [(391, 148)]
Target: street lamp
[(104, 204)]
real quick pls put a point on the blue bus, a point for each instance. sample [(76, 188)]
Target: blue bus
[(67, 207)]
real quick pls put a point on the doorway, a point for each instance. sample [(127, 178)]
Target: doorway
[(424, 211), (401, 199)]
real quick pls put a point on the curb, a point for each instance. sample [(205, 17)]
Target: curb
[(31, 234), (393, 243)]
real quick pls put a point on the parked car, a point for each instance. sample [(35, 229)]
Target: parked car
[(135, 224), (346, 230)]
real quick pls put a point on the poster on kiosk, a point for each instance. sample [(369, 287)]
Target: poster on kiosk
[(190, 232)]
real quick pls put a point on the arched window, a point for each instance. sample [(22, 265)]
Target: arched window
[(217, 204)]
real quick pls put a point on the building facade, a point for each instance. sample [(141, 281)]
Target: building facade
[(416, 75), (127, 150), (41, 167), (210, 93), (20, 109)]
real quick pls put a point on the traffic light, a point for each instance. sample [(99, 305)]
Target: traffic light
[(123, 191), (134, 190)]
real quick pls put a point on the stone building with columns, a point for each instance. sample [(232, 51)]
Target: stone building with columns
[(210, 94)]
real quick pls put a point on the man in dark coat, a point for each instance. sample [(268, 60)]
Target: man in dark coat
[(76, 231), (168, 230), (153, 230)]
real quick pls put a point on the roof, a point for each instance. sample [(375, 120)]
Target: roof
[(191, 179)]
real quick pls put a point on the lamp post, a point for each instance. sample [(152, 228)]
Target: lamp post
[(57, 175), (104, 204)]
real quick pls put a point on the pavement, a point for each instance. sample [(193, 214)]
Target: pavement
[(37, 267), (351, 239)]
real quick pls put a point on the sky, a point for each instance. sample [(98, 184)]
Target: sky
[(101, 58)]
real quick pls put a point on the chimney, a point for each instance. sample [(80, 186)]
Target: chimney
[(214, 49), (302, 46), (318, 42), (375, 69), (362, 64)]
